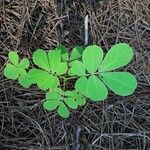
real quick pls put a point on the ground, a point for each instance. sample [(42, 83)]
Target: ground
[(118, 123)]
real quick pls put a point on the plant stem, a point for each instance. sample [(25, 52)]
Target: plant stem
[(69, 78), (64, 84)]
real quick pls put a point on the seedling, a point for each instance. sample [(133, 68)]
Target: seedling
[(92, 75)]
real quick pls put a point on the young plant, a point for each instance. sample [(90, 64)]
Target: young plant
[(57, 70)]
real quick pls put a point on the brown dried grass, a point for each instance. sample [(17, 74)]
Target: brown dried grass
[(119, 123)]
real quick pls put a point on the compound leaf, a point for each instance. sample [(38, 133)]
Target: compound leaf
[(78, 68), (51, 104), (40, 58), (76, 53), (13, 58), (92, 57), (121, 83), (96, 90), (71, 103), (81, 85), (119, 55), (11, 71), (63, 110), (24, 63)]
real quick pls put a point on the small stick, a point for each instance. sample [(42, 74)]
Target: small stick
[(86, 33), (78, 138)]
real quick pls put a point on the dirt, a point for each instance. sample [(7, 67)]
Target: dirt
[(118, 123)]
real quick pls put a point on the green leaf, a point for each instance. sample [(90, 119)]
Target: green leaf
[(11, 71), (34, 75), (119, 55), (96, 90), (80, 100), (92, 57), (76, 53), (21, 71), (58, 90), (64, 53), (71, 103), (51, 104), (48, 81), (61, 68), (24, 63), (74, 99), (81, 85), (63, 110), (70, 73), (54, 59), (55, 62), (53, 96), (121, 83), (43, 79), (13, 58), (40, 58), (24, 81), (78, 68), (69, 93)]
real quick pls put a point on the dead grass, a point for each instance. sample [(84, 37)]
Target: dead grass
[(119, 123)]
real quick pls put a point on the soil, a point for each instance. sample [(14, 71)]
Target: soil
[(118, 123)]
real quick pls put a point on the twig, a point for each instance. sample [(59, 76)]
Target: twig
[(77, 147), (86, 34)]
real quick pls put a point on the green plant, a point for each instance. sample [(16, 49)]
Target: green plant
[(92, 74)]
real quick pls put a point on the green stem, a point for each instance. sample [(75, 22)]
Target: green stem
[(74, 77), (64, 84), (69, 78)]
